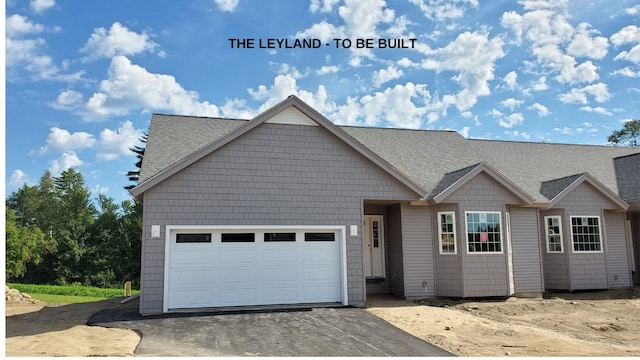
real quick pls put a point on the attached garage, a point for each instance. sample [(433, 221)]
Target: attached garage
[(223, 266)]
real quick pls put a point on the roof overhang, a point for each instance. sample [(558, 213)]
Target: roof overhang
[(493, 173), (304, 108), (587, 178)]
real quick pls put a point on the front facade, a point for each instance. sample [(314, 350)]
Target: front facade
[(288, 208)]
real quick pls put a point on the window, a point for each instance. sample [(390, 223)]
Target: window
[(447, 232), (193, 238), (585, 231), (273, 237), (319, 237), (553, 226), (484, 232), (238, 237)]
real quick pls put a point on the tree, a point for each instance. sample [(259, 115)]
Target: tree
[(629, 135), (75, 213), (24, 245), (134, 175)]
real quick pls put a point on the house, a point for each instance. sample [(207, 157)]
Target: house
[(288, 208)]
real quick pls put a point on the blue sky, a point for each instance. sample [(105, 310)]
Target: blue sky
[(84, 77)]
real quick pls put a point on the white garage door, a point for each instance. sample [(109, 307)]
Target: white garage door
[(253, 266)]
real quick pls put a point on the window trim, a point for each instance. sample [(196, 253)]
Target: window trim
[(455, 237), (600, 235), (546, 233), (466, 226)]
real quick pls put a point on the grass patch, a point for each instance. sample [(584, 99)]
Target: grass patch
[(64, 299), (70, 290)]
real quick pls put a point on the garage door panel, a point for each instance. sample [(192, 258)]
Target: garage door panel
[(191, 277), (238, 274), (280, 294), (280, 274), (225, 276), (281, 255), (191, 258), (320, 255), (226, 256), (191, 298), (321, 273), (320, 293), (232, 297)]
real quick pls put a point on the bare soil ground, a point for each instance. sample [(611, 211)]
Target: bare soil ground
[(605, 323), (35, 329), (597, 323)]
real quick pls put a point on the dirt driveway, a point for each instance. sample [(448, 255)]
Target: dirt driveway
[(603, 323)]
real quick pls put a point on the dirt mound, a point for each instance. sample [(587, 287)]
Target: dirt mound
[(16, 297)]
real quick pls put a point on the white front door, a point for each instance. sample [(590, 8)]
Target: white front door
[(373, 239)]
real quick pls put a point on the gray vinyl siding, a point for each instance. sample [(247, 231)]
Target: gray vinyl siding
[(417, 246), (617, 257), (527, 266), (273, 175), (394, 242), (380, 287), (448, 269), (555, 265), (483, 274), (586, 270)]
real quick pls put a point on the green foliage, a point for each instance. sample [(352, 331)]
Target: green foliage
[(26, 244), (58, 235), (629, 135), (70, 290)]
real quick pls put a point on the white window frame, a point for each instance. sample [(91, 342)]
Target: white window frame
[(440, 232), (466, 226), (599, 234), (547, 233)]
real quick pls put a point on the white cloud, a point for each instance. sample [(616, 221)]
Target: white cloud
[(541, 84), (100, 189), (555, 42), (362, 17), (511, 103), (41, 6), (517, 133), (115, 143), (473, 57), (118, 40), (19, 178), (511, 80), (285, 85), (634, 10), (543, 4), (131, 87), (541, 109), (25, 57), (599, 91), (323, 31), (441, 10), (597, 110), (584, 45), (465, 131), (395, 106), (628, 34), (67, 160), (17, 25), (67, 100), (61, 140), (626, 71), (511, 120), (227, 5), (383, 75), (322, 5), (332, 69)]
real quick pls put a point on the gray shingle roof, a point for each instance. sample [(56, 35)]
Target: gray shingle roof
[(430, 158), (550, 189), (172, 137), (628, 177)]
